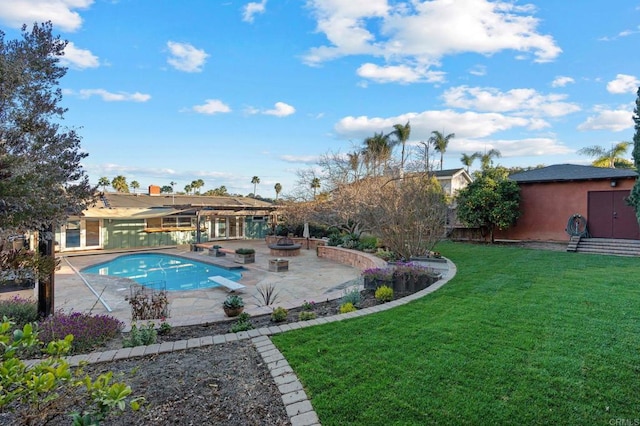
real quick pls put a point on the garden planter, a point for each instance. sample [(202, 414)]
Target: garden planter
[(11, 285), (278, 265), (233, 312), (373, 283), (216, 252), (245, 258)]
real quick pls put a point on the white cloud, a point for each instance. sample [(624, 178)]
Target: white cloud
[(623, 84), (305, 159), (60, 12), (212, 106), (561, 81), (421, 33), (280, 110), (615, 120), (185, 57), (465, 125), (78, 58), (114, 97), (472, 132), (517, 101), (478, 70), (624, 33), (399, 73), (530, 147), (251, 9)]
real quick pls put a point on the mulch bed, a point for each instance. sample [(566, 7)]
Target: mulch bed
[(226, 384)]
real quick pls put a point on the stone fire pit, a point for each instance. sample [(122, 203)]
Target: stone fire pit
[(285, 247)]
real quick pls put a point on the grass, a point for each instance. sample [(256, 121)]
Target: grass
[(517, 337)]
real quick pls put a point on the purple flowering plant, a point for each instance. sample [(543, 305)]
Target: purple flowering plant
[(88, 330), (378, 274), (413, 270)]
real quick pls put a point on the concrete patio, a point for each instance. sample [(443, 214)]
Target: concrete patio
[(308, 278)]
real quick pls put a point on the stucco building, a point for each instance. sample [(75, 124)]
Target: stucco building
[(551, 195)]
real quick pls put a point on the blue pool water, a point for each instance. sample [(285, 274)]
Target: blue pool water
[(156, 270)]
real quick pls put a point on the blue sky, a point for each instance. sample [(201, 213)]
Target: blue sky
[(222, 91)]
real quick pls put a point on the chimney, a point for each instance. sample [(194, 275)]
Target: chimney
[(154, 190)]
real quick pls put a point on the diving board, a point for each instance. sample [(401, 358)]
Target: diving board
[(225, 282)]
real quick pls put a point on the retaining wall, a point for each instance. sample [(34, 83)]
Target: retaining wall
[(354, 258)]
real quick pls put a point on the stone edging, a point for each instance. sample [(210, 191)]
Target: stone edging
[(298, 406)]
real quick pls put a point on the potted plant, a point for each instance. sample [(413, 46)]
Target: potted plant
[(233, 305), (245, 255), (215, 251)]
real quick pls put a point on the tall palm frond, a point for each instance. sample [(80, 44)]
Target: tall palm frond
[(607, 157), (440, 143)]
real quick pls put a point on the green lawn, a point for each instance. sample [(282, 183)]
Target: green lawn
[(517, 337)]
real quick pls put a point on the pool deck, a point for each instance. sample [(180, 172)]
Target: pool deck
[(308, 278)]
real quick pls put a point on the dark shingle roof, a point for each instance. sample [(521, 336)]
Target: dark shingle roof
[(446, 172), (122, 200), (571, 172)]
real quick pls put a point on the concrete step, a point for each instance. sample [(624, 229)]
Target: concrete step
[(608, 246)]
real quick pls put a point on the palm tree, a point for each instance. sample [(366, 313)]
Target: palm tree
[(486, 159), (609, 157), (440, 142), (354, 163), (134, 185), (467, 160), (377, 151), (119, 183), (104, 182), (278, 189), (255, 181), (401, 133), (188, 188), (315, 184), (197, 184)]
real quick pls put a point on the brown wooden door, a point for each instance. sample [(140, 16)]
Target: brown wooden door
[(609, 216)]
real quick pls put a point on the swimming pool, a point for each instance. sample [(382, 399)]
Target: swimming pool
[(159, 270)]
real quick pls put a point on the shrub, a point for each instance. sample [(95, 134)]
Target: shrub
[(350, 241), (19, 310), (165, 327), (347, 307), (245, 251), (367, 243), (143, 336), (413, 271), (351, 295), (308, 306), (279, 314), (334, 240), (147, 304), (306, 316), (88, 330), (387, 255), (378, 274), (37, 385), (384, 294), (242, 323)]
